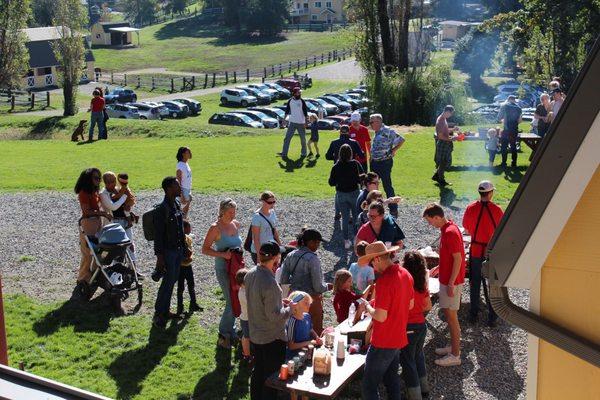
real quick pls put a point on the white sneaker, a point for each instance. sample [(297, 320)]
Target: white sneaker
[(450, 360), (442, 351), (347, 244)]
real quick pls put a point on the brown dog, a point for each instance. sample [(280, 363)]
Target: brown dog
[(79, 131)]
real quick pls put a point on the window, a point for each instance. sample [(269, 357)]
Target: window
[(313, 17), (305, 5), (298, 6), (98, 36), (328, 4), (318, 4)]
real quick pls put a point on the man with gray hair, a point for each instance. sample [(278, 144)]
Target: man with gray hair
[(510, 115), (384, 146)]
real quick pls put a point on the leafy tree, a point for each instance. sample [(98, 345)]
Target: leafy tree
[(140, 11), (267, 17), (14, 58), (474, 52), (71, 20), (449, 9), (231, 14), (178, 6), (42, 12)]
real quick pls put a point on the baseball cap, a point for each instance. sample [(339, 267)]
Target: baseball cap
[(312, 234), (270, 249), (485, 186), (355, 116), (344, 129)]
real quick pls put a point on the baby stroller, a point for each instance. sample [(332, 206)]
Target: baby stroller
[(112, 267)]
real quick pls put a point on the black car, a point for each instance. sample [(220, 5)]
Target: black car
[(328, 125), (120, 95), (234, 119), (344, 97), (194, 105), (176, 109), (273, 112)]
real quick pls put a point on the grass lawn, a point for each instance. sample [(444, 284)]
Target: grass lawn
[(190, 45)]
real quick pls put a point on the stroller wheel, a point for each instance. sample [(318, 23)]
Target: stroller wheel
[(84, 291), (115, 304)]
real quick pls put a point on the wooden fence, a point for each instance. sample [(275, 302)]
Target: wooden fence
[(209, 80), (30, 100)]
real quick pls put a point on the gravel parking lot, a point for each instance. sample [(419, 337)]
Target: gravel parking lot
[(39, 255)]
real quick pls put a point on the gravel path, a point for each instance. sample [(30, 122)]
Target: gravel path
[(39, 255)]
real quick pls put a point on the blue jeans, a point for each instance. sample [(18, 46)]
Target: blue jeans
[(384, 170), (475, 281), (346, 201), (412, 358), (381, 365), (227, 324), (173, 260), (292, 127), (97, 118)]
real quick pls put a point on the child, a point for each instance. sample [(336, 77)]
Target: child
[(239, 278), (130, 202), (186, 273), (343, 295), (299, 327), (412, 357), (491, 145), (362, 275), (314, 135)]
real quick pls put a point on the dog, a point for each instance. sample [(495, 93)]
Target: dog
[(79, 131)]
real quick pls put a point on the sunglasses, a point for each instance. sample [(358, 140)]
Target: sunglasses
[(270, 201)]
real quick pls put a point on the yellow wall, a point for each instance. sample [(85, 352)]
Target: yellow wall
[(570, 296)]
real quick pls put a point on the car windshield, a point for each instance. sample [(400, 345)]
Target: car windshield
[(279, 112), (260, 114), (277, 86), (322, 102), (245, 118), (335, 100)]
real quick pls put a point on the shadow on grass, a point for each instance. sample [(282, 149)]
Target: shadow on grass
[(290, 165), (46, 127), (131, 368), (93, 316), (191, 28)]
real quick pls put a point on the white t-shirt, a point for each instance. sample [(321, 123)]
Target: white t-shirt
[(296, 112), (186, 174), (243, 304), (266, 233)]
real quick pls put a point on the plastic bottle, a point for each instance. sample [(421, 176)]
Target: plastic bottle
[(351, 314)]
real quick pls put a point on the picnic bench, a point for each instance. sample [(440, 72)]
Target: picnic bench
[(531, 140), (307, 385)]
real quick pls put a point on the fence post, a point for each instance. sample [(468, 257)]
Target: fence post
[(247, 75), (263, 79), (234, 77), (205, 80), (314, 61), (214, 79), (125, 79), (32, 105), (344, 54), (264, 73), (153, 84), (298, 65), (322, 58), (306, 63), (290, 67), (193, 82), (272, 70), (47, 99), (172, 85), (279, 69), (329, 57), (226, 77), (12, 103), (139, 84), (112, 78)]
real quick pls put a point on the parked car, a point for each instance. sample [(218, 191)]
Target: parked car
[(342, 119), (330, 109), (341, 105), (234, 119), (362, 100), (355, 104), (164, 111), (487, 112), (328, 125), (265, 89), (237, 96), (124, 111), (120, 95), (261, 97), (147, 111), (362, 92), (176, 109), (261, 117), (288, 83), (272, 112), (194, 105), (283, 92)]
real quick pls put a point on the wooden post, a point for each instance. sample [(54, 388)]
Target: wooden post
[(47, 99), (247, 75), (290, 67), (263, 79), (112, 78), (264, 73), (329, 57), (234, 77), (125, 79), (3, 344), (279, 69), (314, 61), (32, 105), (298, 65), (322, 56), (344, 54), (193, 82), (205, 80), (306, 63), (12, 106), (272, 70), (172, 85), (226, 77), (139, 83), (153, 83), (214, 79)]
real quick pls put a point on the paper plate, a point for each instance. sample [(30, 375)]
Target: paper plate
[(434, 285)]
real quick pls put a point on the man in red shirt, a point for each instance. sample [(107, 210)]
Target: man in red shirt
[(360, 133), (393, 299), (452, 276), (480, 221)]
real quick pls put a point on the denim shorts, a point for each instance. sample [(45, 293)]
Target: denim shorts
[(245, 329), (186, 194)]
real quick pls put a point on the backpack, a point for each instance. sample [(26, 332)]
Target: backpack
[(248, 241), (148, 220)]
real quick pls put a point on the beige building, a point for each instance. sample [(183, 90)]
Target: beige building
[(307, 11), (43, 65), (113, 34), (454, 30)]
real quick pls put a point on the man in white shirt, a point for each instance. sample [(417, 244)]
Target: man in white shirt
[(297, 111)]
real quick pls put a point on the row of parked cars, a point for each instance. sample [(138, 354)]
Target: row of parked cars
[(335, 108), (527, 98), (130, 108)]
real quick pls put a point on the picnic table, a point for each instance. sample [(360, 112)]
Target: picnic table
[(531, 140), (307, 385)]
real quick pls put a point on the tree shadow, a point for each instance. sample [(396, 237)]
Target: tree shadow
[(290, 165), (46, 127), (447, 197), (93, 316), (131, 368)]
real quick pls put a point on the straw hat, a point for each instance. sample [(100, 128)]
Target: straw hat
[(376, 249)]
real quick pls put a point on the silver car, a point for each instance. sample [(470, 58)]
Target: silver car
[(147, 111), (268, 122), (124, 111)]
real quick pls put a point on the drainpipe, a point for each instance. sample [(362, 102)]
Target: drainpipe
[(538, 326), (3, 345)]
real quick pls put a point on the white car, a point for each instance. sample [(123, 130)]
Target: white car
[(164, 111), (124, 111), (265, 89), (237, 96), (147, 111)]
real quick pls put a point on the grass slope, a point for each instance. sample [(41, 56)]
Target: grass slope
[(191, 45)]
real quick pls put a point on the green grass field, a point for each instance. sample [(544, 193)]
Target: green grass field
[(190, 45)]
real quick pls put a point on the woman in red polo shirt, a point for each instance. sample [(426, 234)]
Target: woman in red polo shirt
[(97, 109), (87, 190)]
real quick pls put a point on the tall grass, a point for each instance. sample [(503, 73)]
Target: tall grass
[(416, 96)]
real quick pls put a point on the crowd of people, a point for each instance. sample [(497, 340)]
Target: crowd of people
[(279, 301)]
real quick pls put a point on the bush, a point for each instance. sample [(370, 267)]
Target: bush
[(417, 96)]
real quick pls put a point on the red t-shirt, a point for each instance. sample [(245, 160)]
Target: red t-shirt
[(486, 228), (451, 242), (415, 315), (92, 200), (361, 135), (97, 104), (341, 304), (393, 292)]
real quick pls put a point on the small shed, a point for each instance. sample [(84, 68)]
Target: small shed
[(113, 34), (454, 30)]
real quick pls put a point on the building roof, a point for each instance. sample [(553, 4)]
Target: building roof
[(107, 25), (42, 55), (124, 29), (44, 33), (458, 23)]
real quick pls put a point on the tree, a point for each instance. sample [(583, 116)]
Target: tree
[(449, 9), (231, 14), (474, 53), (387, 44), (70, 18), (140, 11), (267, 17), (178, 6), (14, 58), (42, 12)]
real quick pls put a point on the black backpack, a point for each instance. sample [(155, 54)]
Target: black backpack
[(148, 220)]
